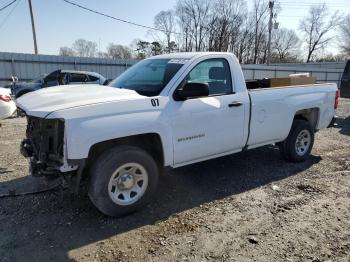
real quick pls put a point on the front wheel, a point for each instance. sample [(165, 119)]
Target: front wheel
[(123, 179), (299, 143)]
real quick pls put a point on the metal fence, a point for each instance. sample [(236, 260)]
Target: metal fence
[(29, 66), (263, 71), (325, 65)]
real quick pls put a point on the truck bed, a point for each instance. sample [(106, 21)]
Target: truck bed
[(295, 80), (270, 107)]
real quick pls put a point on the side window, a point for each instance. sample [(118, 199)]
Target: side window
[(52, 76), (92, 78), (63, 79), (215, 72), (78, 78)]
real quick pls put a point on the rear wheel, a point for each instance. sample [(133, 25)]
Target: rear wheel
[(123, 179), (299, 143)]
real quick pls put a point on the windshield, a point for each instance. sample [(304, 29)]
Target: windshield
[(149, 77)]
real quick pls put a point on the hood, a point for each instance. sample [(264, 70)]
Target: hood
[(45, 101)]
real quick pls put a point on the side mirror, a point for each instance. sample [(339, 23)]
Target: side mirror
[(191, 90)]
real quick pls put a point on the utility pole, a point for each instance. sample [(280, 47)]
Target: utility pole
[(33, 27), (271, 3)]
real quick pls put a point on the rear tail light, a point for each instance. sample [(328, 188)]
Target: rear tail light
[(336, 102), (5, 98)]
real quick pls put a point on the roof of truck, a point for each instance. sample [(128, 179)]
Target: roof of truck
[(186, 55)]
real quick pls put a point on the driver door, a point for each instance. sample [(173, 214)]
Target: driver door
[(208, 126)]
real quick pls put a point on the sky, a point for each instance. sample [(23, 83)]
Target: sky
[(60, 24)]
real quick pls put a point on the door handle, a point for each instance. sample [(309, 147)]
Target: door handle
[(235, 104)]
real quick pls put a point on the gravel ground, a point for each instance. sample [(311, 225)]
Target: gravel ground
[(251, 206)]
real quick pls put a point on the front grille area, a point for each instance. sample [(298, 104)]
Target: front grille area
[(44, 144)]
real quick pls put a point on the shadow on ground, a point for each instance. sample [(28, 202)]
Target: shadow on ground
[(58, 222)]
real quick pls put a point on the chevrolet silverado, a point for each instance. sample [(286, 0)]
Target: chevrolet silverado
[(168, 110)]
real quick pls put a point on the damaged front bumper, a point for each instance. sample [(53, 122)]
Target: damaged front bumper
[(45, 147)]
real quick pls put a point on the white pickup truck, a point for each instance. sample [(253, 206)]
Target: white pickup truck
[(168, 110)]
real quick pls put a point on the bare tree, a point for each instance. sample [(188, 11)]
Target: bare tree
[(118, 51), (259, 17), (66, 51), (238, 23), (285, 42), (197, 16), (244, 43), (316, 28), (345, 35), (184, 21), (226, 18), (328, 57), (165, 22), (84, 48)]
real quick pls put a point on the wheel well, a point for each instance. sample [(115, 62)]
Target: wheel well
[(311, 115), (150, 142)]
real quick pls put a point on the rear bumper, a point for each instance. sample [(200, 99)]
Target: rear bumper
[(7, 109)]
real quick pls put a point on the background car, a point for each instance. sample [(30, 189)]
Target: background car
[(58, 77), (345, 82), (7, 105)]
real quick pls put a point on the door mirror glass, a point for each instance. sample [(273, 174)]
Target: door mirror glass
[(191, 90)]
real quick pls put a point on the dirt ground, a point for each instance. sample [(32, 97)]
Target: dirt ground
[(251, 206)]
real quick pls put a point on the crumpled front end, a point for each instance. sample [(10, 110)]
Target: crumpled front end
[(44, 145)]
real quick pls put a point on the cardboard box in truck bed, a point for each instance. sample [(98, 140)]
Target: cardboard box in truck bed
[(297, 81), (292, 81)]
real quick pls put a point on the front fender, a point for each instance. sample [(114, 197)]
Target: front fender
[(83, 133)]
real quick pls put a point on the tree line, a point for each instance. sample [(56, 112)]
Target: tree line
[(228, 26)]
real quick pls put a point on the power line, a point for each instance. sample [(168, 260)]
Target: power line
[(312, 4), (115, 18), (4, 7), (9, 14)]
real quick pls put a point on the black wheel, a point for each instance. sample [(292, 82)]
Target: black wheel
[(299, 143), (122, 180)]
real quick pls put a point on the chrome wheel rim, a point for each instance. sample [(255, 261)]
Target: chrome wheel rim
[(128, 184), (302, 143)]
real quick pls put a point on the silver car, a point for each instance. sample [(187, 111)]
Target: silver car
[(58, 77)]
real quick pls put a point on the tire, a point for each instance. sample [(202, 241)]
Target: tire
[(298, 145), (127, 164)]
